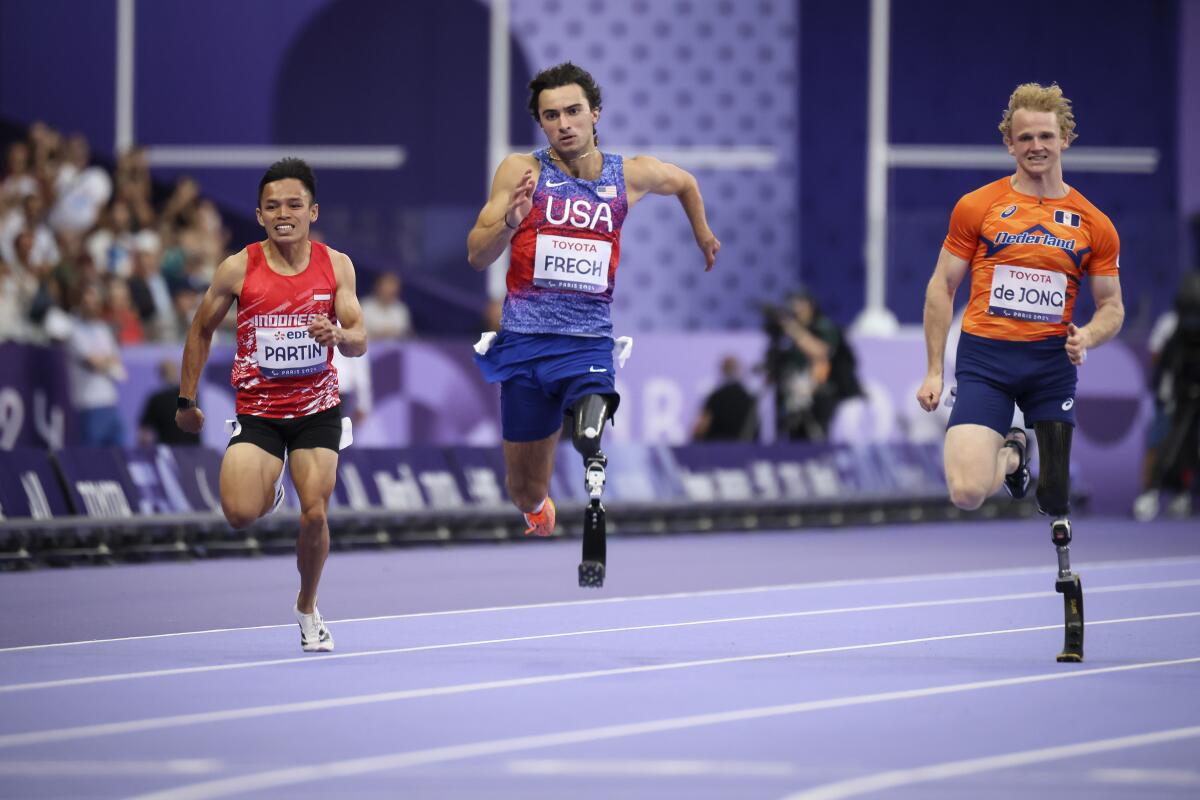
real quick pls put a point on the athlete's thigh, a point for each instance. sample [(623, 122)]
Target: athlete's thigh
[(970, 453), (531, 462), (314, 472), (248, 474)]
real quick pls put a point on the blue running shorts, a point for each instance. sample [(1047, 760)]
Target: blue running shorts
[(541, 375), (994, 374)]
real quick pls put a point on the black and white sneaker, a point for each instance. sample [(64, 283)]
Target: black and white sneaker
[(1016, 483), (314, 636)]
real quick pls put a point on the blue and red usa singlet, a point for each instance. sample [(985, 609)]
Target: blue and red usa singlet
[(564, 255), (279, 370)]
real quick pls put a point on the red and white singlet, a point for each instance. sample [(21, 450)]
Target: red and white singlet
[(280, 371)]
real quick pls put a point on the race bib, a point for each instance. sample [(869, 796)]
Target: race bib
[(288, 352), (1038, 295), (563, 262)]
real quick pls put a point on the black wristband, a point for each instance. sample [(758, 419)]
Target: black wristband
[(184, 403), (510, 227)]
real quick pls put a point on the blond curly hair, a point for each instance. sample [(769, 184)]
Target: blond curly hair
[(1035, 97)]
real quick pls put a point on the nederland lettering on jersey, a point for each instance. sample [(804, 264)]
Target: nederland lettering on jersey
[(1028, 259), (279, 370), (564, 255)]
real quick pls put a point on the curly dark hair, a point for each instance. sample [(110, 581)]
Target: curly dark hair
[(285, 168), (563, 74)]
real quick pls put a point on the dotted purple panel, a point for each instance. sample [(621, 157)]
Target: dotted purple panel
[(690, 73)]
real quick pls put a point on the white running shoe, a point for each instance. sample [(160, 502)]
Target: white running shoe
[(314, 636), (1180, 506), (1145, 507)]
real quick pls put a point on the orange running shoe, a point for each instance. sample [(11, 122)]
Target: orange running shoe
[(541, 523)]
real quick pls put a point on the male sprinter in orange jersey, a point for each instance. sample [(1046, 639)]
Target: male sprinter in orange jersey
[(1028, 240), (296, 302), (561, 208)]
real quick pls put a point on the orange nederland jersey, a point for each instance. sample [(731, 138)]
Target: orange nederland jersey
[(1028, 258)]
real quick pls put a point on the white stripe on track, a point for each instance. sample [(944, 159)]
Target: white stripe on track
[(295, 775), (89, 680), (254, 712), (782, 587), (972, 766)]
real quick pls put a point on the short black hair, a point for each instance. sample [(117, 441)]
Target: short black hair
[(563, 74), (285, 168)]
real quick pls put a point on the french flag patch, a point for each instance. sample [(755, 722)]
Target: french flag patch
[(1067, 218), (321, 297), (607, 192)]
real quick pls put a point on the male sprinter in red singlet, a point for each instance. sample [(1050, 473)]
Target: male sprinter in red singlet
[(296, 302), (561, 209), (1028, 240)]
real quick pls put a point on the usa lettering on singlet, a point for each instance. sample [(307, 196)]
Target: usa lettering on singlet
[(280, 371), (1028, 259), (564, 255)]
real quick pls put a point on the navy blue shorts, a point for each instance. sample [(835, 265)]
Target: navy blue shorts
[(541, 375), (993, 375)]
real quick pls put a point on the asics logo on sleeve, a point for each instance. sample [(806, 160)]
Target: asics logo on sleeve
[(1068, 403)]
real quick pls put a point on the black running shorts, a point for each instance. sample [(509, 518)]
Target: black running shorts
[(323, 429)]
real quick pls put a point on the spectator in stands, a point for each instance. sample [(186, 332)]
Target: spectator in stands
[(730, 411), (815, 368), (95, 370), (111, 245), (81, 190), (30, 215), (19, 180), (157, 425), (15, 291), (149, 290), (120, 313), (384, 313)]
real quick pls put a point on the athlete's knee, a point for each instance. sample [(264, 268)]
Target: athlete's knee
[(964, 494), (1054, 459), (525, 493), (590, 414), (314, 518), (238, 515)]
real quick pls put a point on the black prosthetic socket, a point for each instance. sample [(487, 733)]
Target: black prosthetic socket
[(1054, 458), (590, 415), (1054, 499)]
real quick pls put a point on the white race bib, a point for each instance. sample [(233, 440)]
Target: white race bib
[(1038, 295), (288, 352), (563, 262)]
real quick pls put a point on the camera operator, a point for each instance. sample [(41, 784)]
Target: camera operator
[(812, 366), (1177, 391)]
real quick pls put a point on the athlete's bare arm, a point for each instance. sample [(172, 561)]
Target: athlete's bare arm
[(226, 286), (647, 175), (1105, 322), (351, 337), (510, 202), (939, 310)]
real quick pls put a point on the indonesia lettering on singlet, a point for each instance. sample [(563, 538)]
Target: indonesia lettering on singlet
[(283, 347)]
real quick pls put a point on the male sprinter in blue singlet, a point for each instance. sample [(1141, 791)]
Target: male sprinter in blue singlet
[(561, 210)]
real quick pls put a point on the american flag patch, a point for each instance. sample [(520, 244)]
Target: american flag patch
[(1067, 218), (321, 297), (607, 192)]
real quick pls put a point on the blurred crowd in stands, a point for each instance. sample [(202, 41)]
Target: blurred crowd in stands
[(69, 227)]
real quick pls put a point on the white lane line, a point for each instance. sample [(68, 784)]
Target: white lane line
[(294, 775), (972, 766), (1149, 777), (254, 712), (109, 768), (784, 587), (88, 680), (649, 768)]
